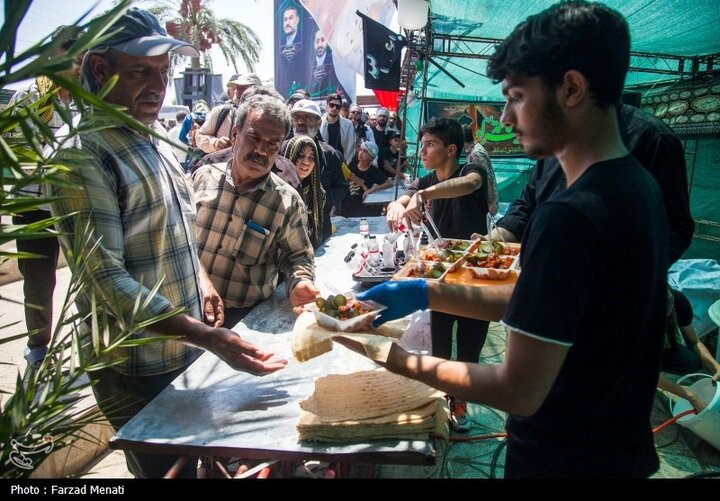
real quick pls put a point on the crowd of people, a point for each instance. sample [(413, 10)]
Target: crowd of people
[(220, 222)]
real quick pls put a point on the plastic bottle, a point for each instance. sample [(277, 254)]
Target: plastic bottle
[(373, 258), (388, 250), (354, 262), (364, 247), (364, 227), (400, 258)]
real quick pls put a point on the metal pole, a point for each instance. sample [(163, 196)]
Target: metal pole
[(408, 61)]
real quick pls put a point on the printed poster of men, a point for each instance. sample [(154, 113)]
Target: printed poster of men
[(303, 58), (323, 79), (291, 54)]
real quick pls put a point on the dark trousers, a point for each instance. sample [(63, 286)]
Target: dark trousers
[(38, 279), (120, 397), (471, 336)]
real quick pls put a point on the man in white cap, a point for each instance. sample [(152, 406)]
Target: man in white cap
[(214, 135), (379, 129), (306, 120), (132, 192)]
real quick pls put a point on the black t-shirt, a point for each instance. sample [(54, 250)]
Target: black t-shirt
[(594, 265), (381, 138), (657, 149), (457, 217), (334, 136), (370, 177), (388, 155)]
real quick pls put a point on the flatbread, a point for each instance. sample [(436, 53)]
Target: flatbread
[(309, 340), (377, 348), (418, 424), (366, 394)]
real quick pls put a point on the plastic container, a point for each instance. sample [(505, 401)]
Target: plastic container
[(408, 271), (494, 273), (457, 247), (705, 424), (509, 248), (357, 323)]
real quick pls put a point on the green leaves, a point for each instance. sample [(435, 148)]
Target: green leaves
[(46, 402)]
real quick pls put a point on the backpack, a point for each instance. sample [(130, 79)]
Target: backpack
[(195, 155)]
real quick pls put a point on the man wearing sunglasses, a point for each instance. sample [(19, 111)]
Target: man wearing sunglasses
[(337, 131)]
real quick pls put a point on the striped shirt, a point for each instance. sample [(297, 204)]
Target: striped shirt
[(134, 195), (245, 237)]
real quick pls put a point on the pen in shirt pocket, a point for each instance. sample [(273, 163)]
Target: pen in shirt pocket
[(253, 225)]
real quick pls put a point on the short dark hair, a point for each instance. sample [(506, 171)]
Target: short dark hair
[(334, 97), (571, 35), (449, 131)]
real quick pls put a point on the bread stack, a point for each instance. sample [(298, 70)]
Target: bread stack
[(370, 405)]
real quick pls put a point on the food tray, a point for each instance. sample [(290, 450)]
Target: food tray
[(407, 270), (450, 243), (357, 323)]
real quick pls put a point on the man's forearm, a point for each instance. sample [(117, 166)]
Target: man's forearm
[(452, 188), (481, 303), (190, 330)]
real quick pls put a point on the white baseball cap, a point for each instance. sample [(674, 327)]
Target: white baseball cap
[(306, 106)]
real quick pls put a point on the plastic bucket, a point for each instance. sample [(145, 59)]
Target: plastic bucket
[(706, 424)]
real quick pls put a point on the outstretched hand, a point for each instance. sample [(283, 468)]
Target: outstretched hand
[(401, 298), (242, 355)]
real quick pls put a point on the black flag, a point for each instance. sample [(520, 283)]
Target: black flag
[(382, 55)]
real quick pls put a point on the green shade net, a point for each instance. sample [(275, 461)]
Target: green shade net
[(667, 27)]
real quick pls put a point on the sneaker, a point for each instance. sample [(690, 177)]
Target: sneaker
[(459, 421), (35, 356)]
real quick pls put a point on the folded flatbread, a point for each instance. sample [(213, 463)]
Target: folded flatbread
[(309, 340)]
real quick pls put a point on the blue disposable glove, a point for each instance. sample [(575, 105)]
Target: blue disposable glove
[(401, 297)]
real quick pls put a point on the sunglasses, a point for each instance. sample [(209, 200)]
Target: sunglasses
[(335, 105), (354, 111)]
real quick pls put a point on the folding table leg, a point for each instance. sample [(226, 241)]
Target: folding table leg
[(177, 467)]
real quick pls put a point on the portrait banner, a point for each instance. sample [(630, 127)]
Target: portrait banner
[(304, 58)]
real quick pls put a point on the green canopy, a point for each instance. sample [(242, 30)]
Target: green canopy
[(673, 42), (657, 27)]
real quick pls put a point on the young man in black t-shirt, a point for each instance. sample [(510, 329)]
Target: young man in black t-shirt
[(594, 257), (456, 199)]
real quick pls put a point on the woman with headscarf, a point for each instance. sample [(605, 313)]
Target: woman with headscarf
[(365, 178), (302, 152)]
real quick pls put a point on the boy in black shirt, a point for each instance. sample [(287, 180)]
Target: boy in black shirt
[(456, 199), (388, 160)]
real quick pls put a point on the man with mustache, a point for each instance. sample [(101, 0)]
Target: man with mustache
[(132, 192), (251, 224)]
